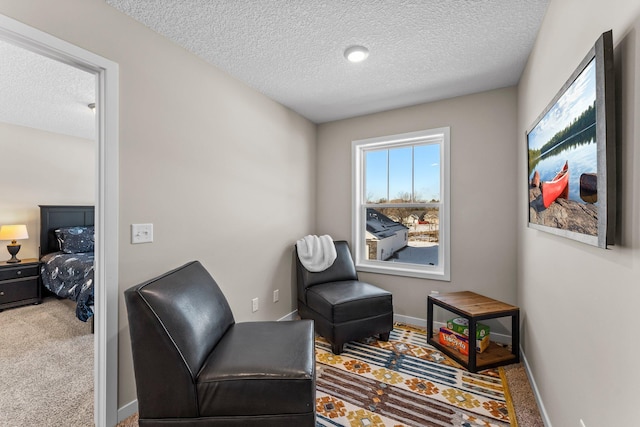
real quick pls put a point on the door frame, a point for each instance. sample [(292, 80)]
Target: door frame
[(106, 203)]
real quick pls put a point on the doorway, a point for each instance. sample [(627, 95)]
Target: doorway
[(106, 203)]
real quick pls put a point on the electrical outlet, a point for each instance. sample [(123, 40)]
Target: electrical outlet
[(582, 424), (254, 305), (276, 295), (141, 233)]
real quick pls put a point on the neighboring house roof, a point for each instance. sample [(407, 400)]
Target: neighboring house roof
[(381, 226)]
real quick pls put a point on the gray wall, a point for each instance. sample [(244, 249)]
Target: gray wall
[(226, 175), (483, 191), (579, 302), (193, 144), (36, 173)]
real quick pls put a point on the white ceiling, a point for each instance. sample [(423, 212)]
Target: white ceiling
[(41, 93), (292, 51)]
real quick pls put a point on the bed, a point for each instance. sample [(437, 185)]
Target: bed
[(67, 254)]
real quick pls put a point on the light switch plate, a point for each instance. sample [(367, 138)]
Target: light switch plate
[(141, 233)]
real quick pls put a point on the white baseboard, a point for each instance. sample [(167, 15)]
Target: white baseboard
[(422, 323), (291, 316), (413, 321), (418, 322), (127, 410), (534, 387)]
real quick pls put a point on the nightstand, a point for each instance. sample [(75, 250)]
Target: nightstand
[(20, 283)]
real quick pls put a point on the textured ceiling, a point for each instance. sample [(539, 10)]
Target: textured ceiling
[(292, 51), (45, 94)]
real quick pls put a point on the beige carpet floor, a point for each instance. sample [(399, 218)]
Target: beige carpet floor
[(46, 366), (524, 401)]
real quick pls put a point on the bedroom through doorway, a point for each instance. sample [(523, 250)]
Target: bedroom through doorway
[(48, 131), (101, 190)]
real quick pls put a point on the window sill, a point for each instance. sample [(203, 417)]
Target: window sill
[(405, 271)]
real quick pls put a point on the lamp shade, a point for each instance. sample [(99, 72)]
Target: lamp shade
[(13, 232)]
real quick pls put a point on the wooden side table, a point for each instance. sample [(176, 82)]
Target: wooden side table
[(19, 283), (474, 308)]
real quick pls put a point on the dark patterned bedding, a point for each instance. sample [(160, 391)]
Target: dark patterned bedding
[(70, 276)]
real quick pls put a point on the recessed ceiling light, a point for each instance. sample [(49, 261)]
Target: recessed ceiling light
[(356, 53)]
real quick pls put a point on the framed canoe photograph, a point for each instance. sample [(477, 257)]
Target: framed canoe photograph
[(571, 154)]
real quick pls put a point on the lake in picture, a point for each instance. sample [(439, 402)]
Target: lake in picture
[(581, 158), (567, 133)]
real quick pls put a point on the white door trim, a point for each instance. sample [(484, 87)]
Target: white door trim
[(106, 203)]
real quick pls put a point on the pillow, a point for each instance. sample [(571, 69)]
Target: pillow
[(73, 240)]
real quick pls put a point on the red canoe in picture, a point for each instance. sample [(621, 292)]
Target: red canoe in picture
[(557, 187)]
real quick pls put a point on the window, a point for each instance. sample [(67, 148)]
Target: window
[(401, 204)]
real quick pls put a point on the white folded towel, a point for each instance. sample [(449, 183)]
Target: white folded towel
[(316, 253)]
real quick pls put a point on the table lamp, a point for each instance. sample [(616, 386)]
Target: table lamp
[(13, 233)]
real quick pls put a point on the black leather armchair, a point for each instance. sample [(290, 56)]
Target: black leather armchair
[(343, 307), (195, 366)]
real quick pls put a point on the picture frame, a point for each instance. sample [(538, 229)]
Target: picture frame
[(571, 154)]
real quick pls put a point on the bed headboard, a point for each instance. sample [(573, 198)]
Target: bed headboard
[(52, 217)]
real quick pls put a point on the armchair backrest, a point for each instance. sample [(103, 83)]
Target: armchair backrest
[(175, 321), (342, 268)]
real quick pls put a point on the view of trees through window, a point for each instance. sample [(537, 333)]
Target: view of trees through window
[(402, 188), (400, 208)]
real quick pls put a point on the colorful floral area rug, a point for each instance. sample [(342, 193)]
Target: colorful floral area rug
[(405, 382)]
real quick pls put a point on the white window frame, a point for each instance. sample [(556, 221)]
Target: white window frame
[(358, 212)]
